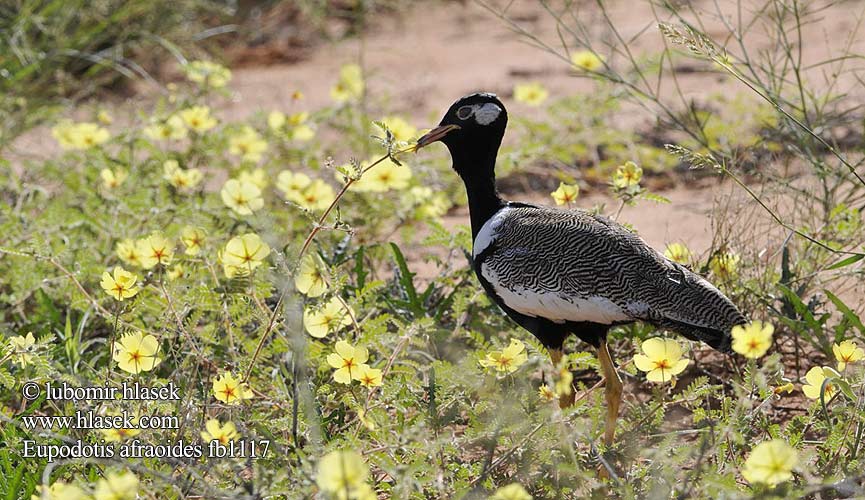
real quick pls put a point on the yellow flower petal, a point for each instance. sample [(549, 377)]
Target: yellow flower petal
[(771, 462)]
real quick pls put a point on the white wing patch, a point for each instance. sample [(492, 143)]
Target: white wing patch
[(487, 234), (554, 306), (487, 113)]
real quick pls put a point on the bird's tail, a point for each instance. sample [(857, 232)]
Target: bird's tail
[(699, 311)]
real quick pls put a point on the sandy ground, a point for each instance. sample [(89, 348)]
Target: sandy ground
[(427, 57)]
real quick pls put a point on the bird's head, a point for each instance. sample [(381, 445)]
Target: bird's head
[(472, 129)]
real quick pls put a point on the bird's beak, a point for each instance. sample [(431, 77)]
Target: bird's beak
[(434, 135)]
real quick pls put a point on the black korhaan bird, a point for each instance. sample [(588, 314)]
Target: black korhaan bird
[(562, 272)]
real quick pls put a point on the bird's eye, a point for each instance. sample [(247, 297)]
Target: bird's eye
[(465, 112)]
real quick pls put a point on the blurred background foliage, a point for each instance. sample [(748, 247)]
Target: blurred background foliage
[(54, 53)]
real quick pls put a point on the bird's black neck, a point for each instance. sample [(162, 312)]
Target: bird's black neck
[(484, 199)]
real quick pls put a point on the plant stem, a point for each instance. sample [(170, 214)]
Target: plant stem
[(319, 225), (113, 339)]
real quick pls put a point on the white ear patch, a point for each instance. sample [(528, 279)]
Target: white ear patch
[(487, 113)]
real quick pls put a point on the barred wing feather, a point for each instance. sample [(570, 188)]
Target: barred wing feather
[(573, 266)]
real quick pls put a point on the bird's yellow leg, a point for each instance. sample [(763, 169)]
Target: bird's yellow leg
[(613, 393), (565, 400)]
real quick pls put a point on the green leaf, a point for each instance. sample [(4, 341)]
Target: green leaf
[(359, 268), (406, 282), (802, 309), (848, 313), (655, 197), (846, 262), (6, 379), (845, 387)]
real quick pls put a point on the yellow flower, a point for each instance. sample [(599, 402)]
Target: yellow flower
[(382, 177), (402, 130), (532, 94), (136, 353), (130, 252), (172, 128), (175, 272), (292, 184), (257, 177), (198, 118), (247, 144), (22, 347), (429, 204), (787, 388), (62, 132), (509, 359), (155, 250), (230, 390), (350, 84), (847, 352), (564, 382), (752, 340), (88, 135), (566, 193), (123, 486), (104, 117), (297, 95), (309, 279), (678, 253), (724, 265), (121, 286), (350, 362), (302, 133), (275, 120), (662, 359), (513, 491), (59, 491), (296, 119), (192, 238), (208, 74), (168, 168), (587, 60), (317, 196), (370, 377), (243, 254), (417, 195), (113, 435), (214, 431), (325, 319), (627, 175), (181, 179), (111, 179), (815, 378), (243, 197), (770, 462), (341, 474), (299, 188), (545, 393), (79, 135)]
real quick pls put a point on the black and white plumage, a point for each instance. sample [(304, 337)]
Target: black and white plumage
[(561, 272), (571, 266)]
